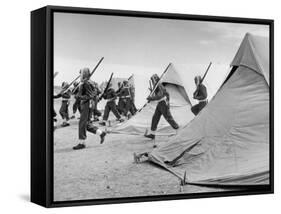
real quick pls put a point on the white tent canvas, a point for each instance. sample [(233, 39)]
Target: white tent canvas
[(228, 142)]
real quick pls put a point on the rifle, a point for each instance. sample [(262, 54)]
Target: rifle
[(206, 72), (93, 71), (107, 86)]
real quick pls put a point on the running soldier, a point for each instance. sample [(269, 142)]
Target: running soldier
[(110, 96), (65, 94), (85, 94), (199, 94), (76, 104), (161, 96)]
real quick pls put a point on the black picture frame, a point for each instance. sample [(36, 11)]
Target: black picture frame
[(42, 104)]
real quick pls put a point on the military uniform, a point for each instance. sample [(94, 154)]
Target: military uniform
[(200, 94), (126, 98), (162, 97), (65, 95), (110, 96), (85, 94)]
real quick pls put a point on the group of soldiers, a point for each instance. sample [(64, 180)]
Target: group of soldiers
[(87, 94)]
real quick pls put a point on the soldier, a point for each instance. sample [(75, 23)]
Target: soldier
[(95, 113), (65, 94), (200, 94), (76, 104), (85, 94), (110, 96), (161, 96), (125, 95)]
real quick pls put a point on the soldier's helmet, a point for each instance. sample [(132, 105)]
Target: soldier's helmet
[(84, 74), (64, 85), (155, 79)]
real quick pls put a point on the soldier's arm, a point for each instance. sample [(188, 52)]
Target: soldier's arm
[(57, 96)]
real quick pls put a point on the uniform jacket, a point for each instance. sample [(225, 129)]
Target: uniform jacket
[(200, 93), (86, 91), (110, 94), (159, 93)]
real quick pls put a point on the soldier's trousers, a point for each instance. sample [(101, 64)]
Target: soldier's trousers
[(163, 109), (64, 110), (198, 107), (121, 106), (110, 106), (76, 105), (84, 123), (133, 108)]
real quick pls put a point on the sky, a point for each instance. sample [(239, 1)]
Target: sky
[(141, 46)]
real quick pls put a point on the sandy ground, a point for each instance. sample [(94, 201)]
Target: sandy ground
[(108, 170)]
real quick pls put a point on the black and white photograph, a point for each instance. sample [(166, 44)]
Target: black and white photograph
[(146, 106)]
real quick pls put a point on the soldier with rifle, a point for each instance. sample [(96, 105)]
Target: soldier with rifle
[(65, 94), (86, 94), (162, 97), (200, 93), (110, 96), (125, 96)]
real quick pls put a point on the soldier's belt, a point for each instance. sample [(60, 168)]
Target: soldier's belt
[(205, 100)]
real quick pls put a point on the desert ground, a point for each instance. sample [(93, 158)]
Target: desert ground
[(108, 170)]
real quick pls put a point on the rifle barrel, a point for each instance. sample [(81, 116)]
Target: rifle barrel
[(206, 71)]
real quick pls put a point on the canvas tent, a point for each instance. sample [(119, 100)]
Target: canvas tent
[(179, 82), (179, 106), (228, 142)]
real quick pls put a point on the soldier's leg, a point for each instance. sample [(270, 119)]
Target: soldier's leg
[(114, 110), (154, 123), (75, 106), (168, 116), (95, 130), (61, 111), (156, 118), (106, 112), (122, 106), (127, 106), (66, 111), (201, 105), (83, 122)]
